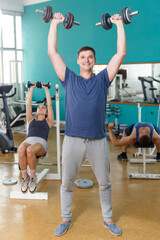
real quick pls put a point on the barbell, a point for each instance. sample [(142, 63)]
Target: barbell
[(126, 16), (47, 14)]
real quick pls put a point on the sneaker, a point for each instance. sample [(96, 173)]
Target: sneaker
[(24, 185), (62, 229), (113, 228), (32, 184), (123, 157), (158, 157)]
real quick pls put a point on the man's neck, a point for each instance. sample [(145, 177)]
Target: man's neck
[(86, 74)]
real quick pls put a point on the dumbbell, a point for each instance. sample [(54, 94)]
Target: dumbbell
[(126, 16), (39, 85), (47, 14)]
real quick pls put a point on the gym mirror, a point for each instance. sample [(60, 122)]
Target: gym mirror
[(135, 82)]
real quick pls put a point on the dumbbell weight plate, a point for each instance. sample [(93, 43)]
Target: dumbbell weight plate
[(105, 22), (47, 14), (49, 85), (29, 84), (68, 21), (71, 21), (125, 14), (128, 15)]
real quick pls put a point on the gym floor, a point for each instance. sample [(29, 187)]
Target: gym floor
[(136, 203)]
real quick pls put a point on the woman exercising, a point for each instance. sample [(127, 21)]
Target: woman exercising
[(35, 144)]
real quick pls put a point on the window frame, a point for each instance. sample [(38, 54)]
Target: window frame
[(15, 49)]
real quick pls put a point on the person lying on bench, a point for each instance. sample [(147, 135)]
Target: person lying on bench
[(35, 144), (142, 133)]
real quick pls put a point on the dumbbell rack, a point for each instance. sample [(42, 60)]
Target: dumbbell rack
[(113, 110)]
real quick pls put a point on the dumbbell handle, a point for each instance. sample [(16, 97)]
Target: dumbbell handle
[(41, 12), (120, 17)]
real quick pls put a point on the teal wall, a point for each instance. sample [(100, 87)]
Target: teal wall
[(143, 37), (129, 114)]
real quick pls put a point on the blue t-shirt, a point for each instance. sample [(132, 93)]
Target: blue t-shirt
[(143, 124), (85, 104)]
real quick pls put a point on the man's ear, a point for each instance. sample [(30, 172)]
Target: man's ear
[(77, 60)]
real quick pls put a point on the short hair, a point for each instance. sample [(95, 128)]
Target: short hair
[(86, 48), (145, 141)]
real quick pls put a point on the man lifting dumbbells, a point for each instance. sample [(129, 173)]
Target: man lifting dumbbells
[(142, 133), (85, 135), (35, 144)]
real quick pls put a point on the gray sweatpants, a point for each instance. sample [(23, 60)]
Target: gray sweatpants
[(96, 151)]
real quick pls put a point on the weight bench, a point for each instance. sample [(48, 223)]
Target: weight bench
[(144, 175), (139, 160)]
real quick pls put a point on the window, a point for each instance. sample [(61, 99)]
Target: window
[(11, 52)]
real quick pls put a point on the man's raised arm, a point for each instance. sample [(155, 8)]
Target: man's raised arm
[(117, 59), (56, 59)]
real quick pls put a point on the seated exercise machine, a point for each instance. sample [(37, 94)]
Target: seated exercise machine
[(6, 138), (144, 160)]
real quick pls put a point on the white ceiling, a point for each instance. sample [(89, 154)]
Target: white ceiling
[(17, 5), (30, 2)]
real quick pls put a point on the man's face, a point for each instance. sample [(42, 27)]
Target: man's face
[(86, 60)]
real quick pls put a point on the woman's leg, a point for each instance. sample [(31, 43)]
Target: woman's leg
[(34, 151), (22, 156)]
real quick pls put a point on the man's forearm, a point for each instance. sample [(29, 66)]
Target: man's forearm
[(121, 40), (52, 38), (113, 137)]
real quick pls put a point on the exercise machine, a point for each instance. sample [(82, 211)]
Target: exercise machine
[(150, 81), (6, 138)]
